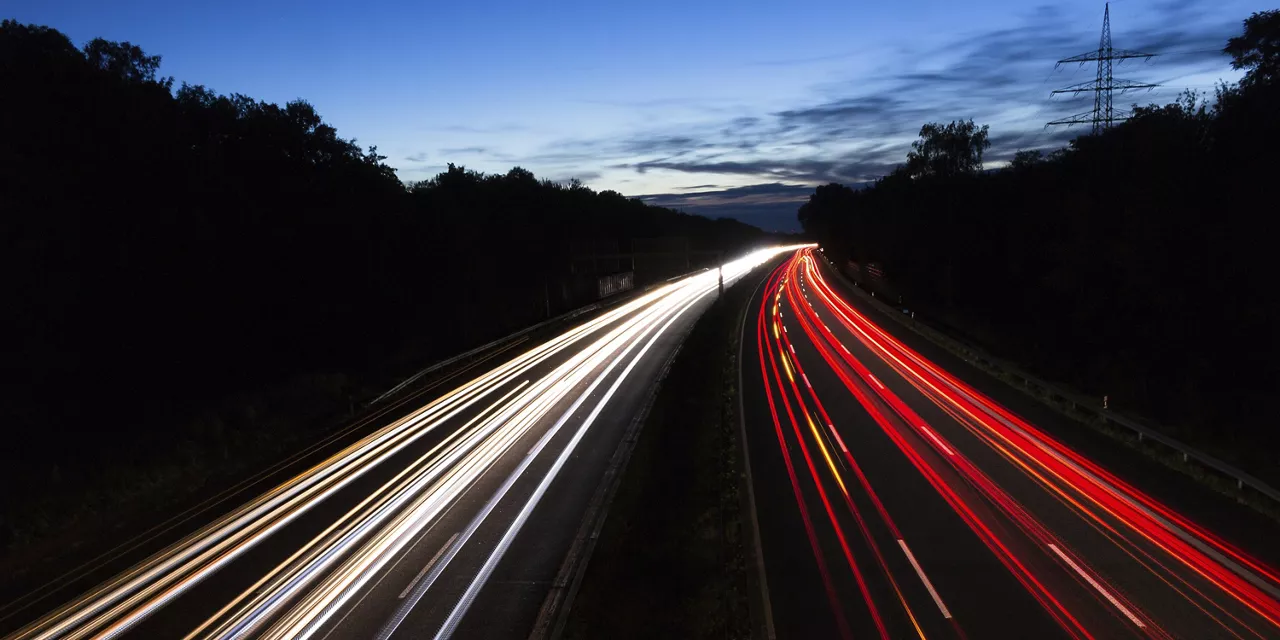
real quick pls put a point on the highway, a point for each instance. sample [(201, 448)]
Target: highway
[(453, 520), (898, 498)]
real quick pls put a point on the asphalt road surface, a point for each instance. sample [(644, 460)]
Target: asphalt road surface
[(451, 521), (897, 498)]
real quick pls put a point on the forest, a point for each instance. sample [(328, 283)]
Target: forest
[(1136, 263), (167, 248)]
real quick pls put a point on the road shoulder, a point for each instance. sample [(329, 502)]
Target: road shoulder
[(672, 557)]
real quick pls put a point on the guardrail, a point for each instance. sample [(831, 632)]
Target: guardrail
[(569, 315), (1078, 402), (484, 347)]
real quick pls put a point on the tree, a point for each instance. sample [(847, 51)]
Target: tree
[(948, 150), (122, 59), (258, 229), (22, 44), (1023, 160), (1257, 50), (1091, 266)]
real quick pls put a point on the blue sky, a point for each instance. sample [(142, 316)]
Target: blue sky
[(717, 107)]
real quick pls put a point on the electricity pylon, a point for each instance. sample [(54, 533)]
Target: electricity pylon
[(1103, 114)]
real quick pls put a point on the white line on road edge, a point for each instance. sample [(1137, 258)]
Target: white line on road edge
[(428, 567), (626, 344), (766, 606), (925, 579), (1106, 594), (482, 576)]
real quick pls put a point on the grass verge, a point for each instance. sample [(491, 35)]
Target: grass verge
[(670, 561)]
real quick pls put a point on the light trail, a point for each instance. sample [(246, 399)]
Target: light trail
[(297, 596), (1158, 549), (464, 603), (1241, 577)]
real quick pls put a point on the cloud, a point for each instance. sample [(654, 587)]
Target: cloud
[(866, 115), (584, 177), (1004, 145), (499, 128), (464, 151), (859, 128), (629, 146), (673, 145), (811, 172), (769, 206), (768, 193), (421, 156)]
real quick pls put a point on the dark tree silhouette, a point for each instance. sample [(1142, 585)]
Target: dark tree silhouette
[(122, 59), (167, 250), (1137, 264), (1023, 160), (1257, 50), (948, 150)]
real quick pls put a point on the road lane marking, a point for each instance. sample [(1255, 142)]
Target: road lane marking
[(929, 433), (925, 579), (449, 626), (1106, 594), (169, 574), (428, 567)]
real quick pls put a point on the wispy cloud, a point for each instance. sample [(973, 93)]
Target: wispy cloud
[(460, 151), (499, 128), (769, 206), (858, 128), (581, 176), (807, 171)]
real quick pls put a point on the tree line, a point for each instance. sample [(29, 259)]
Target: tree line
[(165, 246), (1135, 264)]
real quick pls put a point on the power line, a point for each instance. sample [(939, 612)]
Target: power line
[(1104, 114)]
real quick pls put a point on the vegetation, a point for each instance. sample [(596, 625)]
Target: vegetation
[(172, 253), (670, 561), (1134, 264)]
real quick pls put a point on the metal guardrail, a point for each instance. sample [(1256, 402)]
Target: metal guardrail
[(484, 347), (525, 331), (1078, 402)]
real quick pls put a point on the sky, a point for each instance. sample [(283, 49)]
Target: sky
[(719, 108)]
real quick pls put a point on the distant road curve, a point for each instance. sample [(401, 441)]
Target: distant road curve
[(896, 500), (450, 521)]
